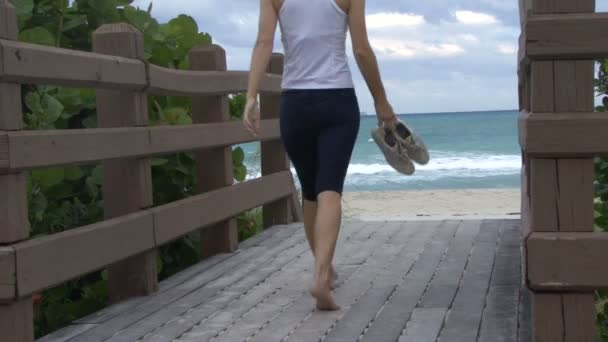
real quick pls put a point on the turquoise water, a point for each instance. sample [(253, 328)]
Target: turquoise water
[(468, 150)]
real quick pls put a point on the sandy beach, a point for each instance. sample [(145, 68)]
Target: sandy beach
[(431, 204)]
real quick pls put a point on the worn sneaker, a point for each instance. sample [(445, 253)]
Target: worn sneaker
[(415, 147), (394, 154)]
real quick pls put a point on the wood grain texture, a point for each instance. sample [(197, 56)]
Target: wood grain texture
[(567, 261), (171, 82), (562, 6), (547, 319), (127, 184), (10, 107), (17, 321), (214, 166), (14, 222), (210, 208), (553, 135), (567, 36), (34, 149), (51, 260), (8, 281), (274, 157), (8, 22)]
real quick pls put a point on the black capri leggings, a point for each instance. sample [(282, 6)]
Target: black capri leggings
[(319, 128)]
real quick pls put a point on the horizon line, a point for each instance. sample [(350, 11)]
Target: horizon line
[(457, 112)]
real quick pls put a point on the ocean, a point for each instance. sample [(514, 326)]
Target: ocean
[(476, 150)]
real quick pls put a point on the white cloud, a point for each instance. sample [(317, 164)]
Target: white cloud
[(388, 19), (395, 48), (475, 18), (469, 38), (507, 48)]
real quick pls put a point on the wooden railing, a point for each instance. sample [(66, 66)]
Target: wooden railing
[(560, 134), (126, 242)]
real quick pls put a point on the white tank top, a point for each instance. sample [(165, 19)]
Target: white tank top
[(314, 39)]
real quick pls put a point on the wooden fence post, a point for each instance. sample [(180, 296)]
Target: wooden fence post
[(561, 190), (274, 157), (127, 184), (213, 166), (16, 318)]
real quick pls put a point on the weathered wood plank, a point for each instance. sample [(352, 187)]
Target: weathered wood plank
[(274, 158), (14, 222), (579, 317), (33, 149), (564, 134), (28, 64), (209, 208), (53, 259), (562, 6), (567, 261), (464, 317), (67, 333), (8, 281), (567, 36), (499, 320), (542, 87), (10, 107), (318, 323), (197, 290), (17, 320), (543, 194), (214, 166), (171, 82), (442, 288), (424, 325), (547, 318)]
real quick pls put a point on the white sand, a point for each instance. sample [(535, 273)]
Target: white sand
[(431, 204)]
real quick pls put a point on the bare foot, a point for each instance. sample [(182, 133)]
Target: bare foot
[(321, 290)]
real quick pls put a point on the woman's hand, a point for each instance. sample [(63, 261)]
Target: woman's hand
[(251, 116), (386, 115)]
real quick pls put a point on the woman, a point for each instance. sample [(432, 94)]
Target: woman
[(319, 111)]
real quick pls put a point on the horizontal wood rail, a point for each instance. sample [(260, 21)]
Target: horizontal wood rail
[(564, 134), (22, 150), (567, 36), (563, 261), (29, 64), (51, 260)]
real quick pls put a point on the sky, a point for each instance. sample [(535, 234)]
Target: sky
[(434, 55)]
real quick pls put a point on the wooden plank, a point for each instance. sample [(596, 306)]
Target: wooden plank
[(31, 149), (274, 157), (51, 260), (442, 288), (171, 82), (214, 169), (191, 137), (199, 289), (567, 36), (8, 24), (542, 87), (28, 64), (34, 149), (380, 254), (564, 134), (464, 317), (544, 192), (547, 320), (127, 184), (579, 319), (567, 261), (424, 325), (562, 6), (67, 333), (499, 320), (17, 320), (225, 307), (576, 194), (10, 107), (8, 281), (14, 222), (209, 208)]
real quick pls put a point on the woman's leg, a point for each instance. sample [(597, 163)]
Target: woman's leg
[(326, 230), (310, 218)]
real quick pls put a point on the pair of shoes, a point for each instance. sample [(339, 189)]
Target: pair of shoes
[(394, 153), (415, 147), (401, 147)]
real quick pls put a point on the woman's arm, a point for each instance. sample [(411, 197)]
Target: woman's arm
[(366, 60), (259, 62)]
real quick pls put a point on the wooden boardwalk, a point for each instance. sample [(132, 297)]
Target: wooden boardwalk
[(398, 281)]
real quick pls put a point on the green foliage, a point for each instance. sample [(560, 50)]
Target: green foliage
[(601, 203), (62, 198)]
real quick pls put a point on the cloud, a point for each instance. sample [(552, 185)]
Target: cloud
[(475, 18), (507, 48), (392, 19), (394, 48)]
